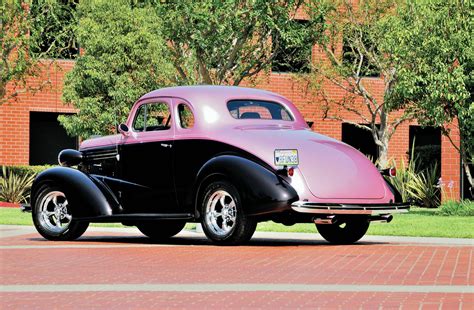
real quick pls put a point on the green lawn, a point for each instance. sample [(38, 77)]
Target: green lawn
[(417, 223)]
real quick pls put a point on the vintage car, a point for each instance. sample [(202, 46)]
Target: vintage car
[(227, 157)]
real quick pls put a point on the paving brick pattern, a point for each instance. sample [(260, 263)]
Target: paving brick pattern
[(133, 260)]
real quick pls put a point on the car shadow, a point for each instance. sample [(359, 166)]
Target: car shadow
[(202, 241)]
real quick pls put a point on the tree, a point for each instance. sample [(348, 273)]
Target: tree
[(124, 57), (15, 65), (431, 43), (353, 51), (32, 31), (225, 42)]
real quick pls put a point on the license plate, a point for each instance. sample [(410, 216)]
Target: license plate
[(286, 157)]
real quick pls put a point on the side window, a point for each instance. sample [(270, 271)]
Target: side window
[(186, 117), (152, 116)]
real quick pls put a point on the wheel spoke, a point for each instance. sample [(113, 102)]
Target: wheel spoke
[(224, 224), (55, 201), (47, 213), (58, 221), (222, 201), (68, 217)]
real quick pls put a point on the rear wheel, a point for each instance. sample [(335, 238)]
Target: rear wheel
[(223, 219), (53, 216), (161, 230), (348, 231)]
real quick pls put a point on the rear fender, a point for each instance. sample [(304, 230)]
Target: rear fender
[(261, 190), (86, 196)]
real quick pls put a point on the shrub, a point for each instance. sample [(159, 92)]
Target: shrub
[(25, 170), (13, 187), (459, 208), (423, 188), (404, 177)]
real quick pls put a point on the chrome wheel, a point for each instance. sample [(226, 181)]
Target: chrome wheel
[(54, 214), (221, 213)]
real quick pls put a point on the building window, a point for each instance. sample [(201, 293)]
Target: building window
[(425, 145), (290, 57), (360, 139), (48, 138)]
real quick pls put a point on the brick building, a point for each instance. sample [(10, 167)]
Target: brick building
[(30, 133)]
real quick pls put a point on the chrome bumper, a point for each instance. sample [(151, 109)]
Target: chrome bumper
[(335, 208)]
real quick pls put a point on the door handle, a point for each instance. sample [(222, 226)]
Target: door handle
[(166, 145)]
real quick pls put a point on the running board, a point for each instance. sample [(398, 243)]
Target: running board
[(137, 217)]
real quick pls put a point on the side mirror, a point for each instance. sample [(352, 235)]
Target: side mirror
[(123, 129), (68, 158)]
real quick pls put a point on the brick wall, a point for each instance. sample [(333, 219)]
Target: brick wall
[(14, 116)]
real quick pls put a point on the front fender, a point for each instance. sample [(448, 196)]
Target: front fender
[(261, 190), (85, 196)]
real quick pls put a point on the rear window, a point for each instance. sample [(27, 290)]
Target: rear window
[(256, 109)]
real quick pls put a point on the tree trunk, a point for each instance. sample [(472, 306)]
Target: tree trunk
[(382, 160), (467, 170)]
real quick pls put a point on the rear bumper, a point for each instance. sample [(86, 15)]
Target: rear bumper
[(336, 208)]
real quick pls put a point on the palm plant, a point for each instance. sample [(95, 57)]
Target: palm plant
[(423, 189), (15, 188)]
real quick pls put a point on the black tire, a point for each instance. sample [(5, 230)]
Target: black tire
[(46, 210), (161, 230), (232, 226), (348, 231)]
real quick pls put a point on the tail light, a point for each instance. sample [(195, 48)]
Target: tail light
[(286, 172), (390, 172), (291, 171)]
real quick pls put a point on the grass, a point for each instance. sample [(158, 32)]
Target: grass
[(417, 223)]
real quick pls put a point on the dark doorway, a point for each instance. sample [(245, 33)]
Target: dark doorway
[(360, 139), (47, 138), (427, 146)]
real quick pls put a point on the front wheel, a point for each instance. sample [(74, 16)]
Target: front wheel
[(53, 217), (223, 219), (348, 231)]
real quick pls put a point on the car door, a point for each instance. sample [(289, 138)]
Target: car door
[(146, 159)]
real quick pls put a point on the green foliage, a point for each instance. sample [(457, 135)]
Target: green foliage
[(25, 170), (457, 208), (52, 29), (360, 30), (15, 188), (403, 178), (224, 42), (422, 187), (15, 65), (415, 184), (125, 57), (31, 31), (430, 43)]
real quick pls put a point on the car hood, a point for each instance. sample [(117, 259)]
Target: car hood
[(331, 169)]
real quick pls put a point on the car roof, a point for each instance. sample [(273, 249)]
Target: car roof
[(225, 93), (211, 99)]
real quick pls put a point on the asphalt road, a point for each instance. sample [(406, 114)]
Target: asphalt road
[(120, 268)]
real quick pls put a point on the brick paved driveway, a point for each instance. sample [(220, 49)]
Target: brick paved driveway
[(110, 269)]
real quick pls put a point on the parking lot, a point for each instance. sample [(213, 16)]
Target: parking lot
[(120, 268)]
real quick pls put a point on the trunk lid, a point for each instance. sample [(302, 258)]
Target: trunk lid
[(331, 169)]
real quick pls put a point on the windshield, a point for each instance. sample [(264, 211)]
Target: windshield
[(256, 109)]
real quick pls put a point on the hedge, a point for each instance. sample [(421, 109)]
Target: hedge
[(22, 170)]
